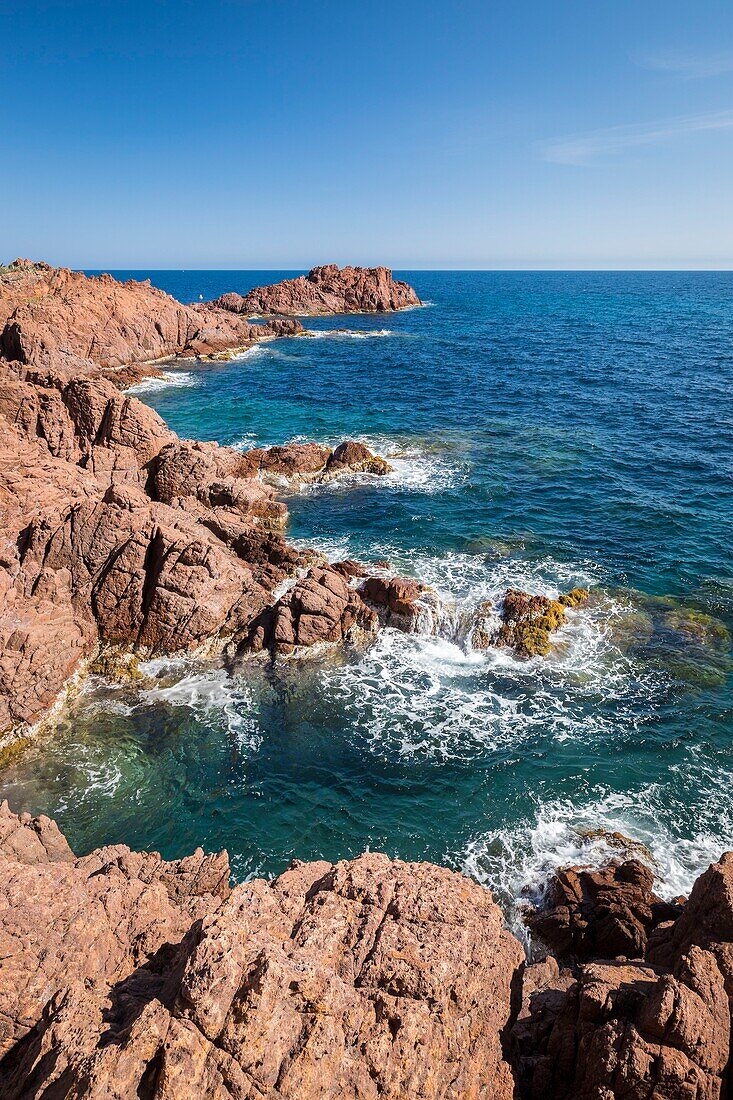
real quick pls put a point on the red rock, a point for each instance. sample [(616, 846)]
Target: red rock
[(113, 529), (397, 596), (349, 568), (124, 975), (356, 458), (328, 289), (624, 1030), (56, 317), (307, 462), (604, 913), (320, 608)]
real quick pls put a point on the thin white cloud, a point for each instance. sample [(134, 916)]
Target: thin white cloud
[(691, 66), (602, 144)]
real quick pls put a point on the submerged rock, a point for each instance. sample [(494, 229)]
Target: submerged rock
[(684, 642), (327, 289)]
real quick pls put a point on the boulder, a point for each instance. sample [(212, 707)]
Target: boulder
[(606, 913), (320, 608), (623, 1029), (297, 463), (350, 457), (528, 621)]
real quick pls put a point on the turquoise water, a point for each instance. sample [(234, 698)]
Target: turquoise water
[(547, 429)]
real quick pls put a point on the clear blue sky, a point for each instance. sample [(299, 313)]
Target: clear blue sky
[(277, 133)]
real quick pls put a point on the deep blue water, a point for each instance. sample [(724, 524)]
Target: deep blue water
[(548, 429)]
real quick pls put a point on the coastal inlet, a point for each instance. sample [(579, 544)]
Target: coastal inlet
[(541, 437)]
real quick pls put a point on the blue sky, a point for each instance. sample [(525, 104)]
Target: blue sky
[(276, 133)]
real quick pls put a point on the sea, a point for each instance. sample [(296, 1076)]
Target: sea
[(547, 430)]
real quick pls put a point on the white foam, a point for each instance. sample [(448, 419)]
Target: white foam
[(245, 442), (100, 776), (169, 380), (416, 470), (346, 334), (255, 352), (516, 860), (211, 694), (428, 695)]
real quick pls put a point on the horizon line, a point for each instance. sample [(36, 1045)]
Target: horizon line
[(650, 269)]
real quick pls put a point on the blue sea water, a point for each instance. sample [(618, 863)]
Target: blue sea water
[(547, 429)]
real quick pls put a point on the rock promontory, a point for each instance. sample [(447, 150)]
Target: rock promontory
[(327, 289), (113, 531)]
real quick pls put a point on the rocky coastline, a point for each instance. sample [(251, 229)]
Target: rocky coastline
[(126, 975), (119, 537)]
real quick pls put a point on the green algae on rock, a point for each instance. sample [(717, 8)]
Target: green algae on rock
[(529, 621)]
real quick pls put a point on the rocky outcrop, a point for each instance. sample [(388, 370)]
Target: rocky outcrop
[(53, 317), (399, 601), (126, 975), (601, 914), (300, 463), (525, 623), (321, 608), (622, 1029), (328, 289), (639, 1004), (113, 531)]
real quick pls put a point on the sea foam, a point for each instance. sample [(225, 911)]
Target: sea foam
[(169, 380), (650, 823)]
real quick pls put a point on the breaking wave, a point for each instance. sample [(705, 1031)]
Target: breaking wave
[(650, 823), (416, 469), (212, 694), (169, 380), (431, 695), (346, 334)]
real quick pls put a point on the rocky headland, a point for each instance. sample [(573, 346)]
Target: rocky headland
[(115, 533), (125, 975), (327, 289), (118, 537)]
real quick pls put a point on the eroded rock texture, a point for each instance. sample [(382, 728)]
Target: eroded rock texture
[(602, 913), (645, 1014), (54, 317), (127, 976), (113, 530), (327, 289)]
